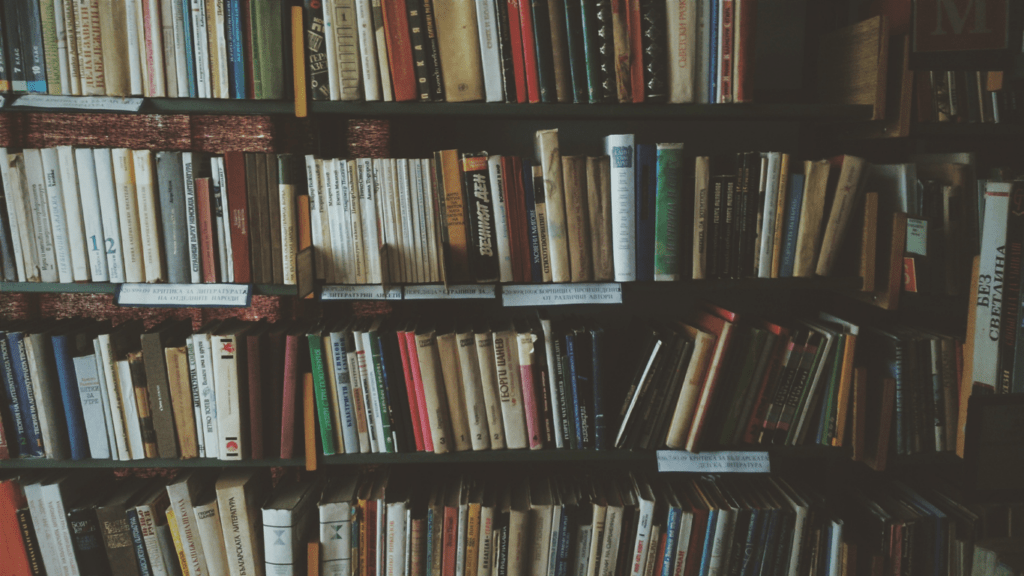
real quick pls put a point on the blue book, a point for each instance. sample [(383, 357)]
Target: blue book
[(12, 414), (190, 51), (32, 46), (137, 541), (536, 272), (672, 523), (646, 195), (26, 399), (236, 48), (570, 347), (709, 542), (600, 433), (564, 540), (757, 565), (713, 55), (69, 394), (794, 201)]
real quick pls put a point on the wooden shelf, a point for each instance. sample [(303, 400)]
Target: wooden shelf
[(957, 129), (108, 288)]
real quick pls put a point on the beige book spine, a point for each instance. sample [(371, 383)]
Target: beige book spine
[(780, 216), (560, 51), (476, 410), (135, 32), (169, 64), (702, 178), (550, 159), (433, 391), (17, 209), (71, 26), (682, 416), (542, 229), (181, 401), (839, 218), (114, 47), (510, 391), (574, 174), (458, 37), (448, 352), (599, 210), (128, 214), (489, 386), (216, 31), (620, 37), (597, 531), (149, 217), (29, 166), (323, 195), (811, 213), (358, 399), (289, 234), (355, 224)]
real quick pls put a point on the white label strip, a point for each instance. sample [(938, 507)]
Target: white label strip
[(79, 102), (454, 292), (184, 295), (556, 294), (713, 462), (369, 292)]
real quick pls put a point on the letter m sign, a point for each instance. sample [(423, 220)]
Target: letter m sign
[(958, 25)]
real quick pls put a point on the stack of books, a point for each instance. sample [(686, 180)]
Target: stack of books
[(519, 524), (152, 48), (581, 51), (967, 96)]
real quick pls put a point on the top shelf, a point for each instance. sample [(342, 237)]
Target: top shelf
[(792, 112)]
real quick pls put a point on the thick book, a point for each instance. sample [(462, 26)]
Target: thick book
[(846, 194), (234, 163), (483, 257), (549, 157), (458, 40), (668, 247), (239, 495), (574, 172), (599, 217), (990, 285), (316, 51), (171, 191), (811, 213), (543, 50), (506, 360), (448, 354), (620, 149), (646, 187), (473, 387), (791, 227), (396, 27), (63, 344)]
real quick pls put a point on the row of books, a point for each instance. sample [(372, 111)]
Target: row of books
[(153, 48), (120, 215), (969, 96), (383, 522), (680, 51)]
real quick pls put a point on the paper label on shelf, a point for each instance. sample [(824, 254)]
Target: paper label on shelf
[(370, 292), (557, 294), (917, 236), (454, 292), (80, 102), (713, 462), (184, 295)]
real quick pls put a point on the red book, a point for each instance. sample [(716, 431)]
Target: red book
[(151, 56), (712, 324), (419, 396), (370, 519), (247, 60), (254, 360), (530, 400), (396, 29), (529, 50), (12, 547), (450, 527), (275, 387), (700, 524), (636, 51), (744, 59), (516, 40), (205, 220), (759, 408), (410, 389), (515, 224), (238, 202), (290, 393), (726, 41)]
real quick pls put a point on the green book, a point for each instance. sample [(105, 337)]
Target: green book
[(381, 400), (323, 403), (591, 53), (50, 52), (257, 13), (827, 421), (667, 207)]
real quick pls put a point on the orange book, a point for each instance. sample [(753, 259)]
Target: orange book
[(309, 420), (305, 233), (450, 183), (636, 51), (298, 62), (12, 548), (313, 555), (845, 381)]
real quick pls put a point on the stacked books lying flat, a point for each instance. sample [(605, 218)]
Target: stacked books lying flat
[(153, 48), (234, 522), (119, 215), (967, 96), (680, 51)]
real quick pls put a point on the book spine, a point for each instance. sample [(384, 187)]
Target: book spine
[(1011, 286), (543, 50), (575, 39), (498, 186), (146, 192), (316, 51), (234, 163), (110, 214), (646, 207), (51, 52), (72, 67), (726, 42), (20, 420), (138, 544), (380, 395), (621, 42), (322, 402), (484, 254), (19, 80), (191, 219), (839, 217), (620, 149), (236, 67), (171, 188), (87, 541), (667, 235), (437, 89), (503, 32), (555, 207), (156, 86), (227, 357), (605, 50), (490, 54), (986, 375), (515, 36), (538, 257), (91, 215), (420, 49), (72, 401), (396, 24), (578, 232), (681, 19), (53, 186), (70, 191), (34, 45), (793, 206), (136, 36), (510, 391), (5, 76)]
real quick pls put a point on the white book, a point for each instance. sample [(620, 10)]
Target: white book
[(556, 406), (105, 357), (73, 213), (460, 546), (180, 53), (433, 222), (105, 399), (990, 285), (315, 230), (193, 382), (19, 221), (489, 385), (239, 494), (41, 379), (128, 215), (395, 548), (90, 395), (609, 546), (222, 220), (95, 241), (383, 219), (681, 18), (371, 393), (168, 81), (166, 542), (201, 48), (835, 566), (132, 426), (209, 528), (620, 148), (506, 363), (336, 514), (289, 233), (409, 260), (220, 48), (135, 41), (644, 521), (380, 40), (367, 51), (343, 382), (682, 549), (229, 408), (285, 520), (323, 192), (771, 201), (153, 49), (44, 530), (109, 213), (149, 216), (556, 534), (358, 396), (62, 46), (49, 518), (332, 184), (504, 245), (55, 204), (181, 493), (207, 390), (487, 28), (368, 211), (420, 207), (331, 44), (353, 221), (476, 410), (369, 387), (388, 203), (192, 218), (38, 204), (151, 539)]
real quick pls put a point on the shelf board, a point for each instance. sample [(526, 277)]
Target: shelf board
[(957, 129), (41, 463), (747, 111), (108, 288)]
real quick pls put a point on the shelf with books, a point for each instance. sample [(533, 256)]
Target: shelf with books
[(966, 129), (47, 463), (76, 104), (108, 288)]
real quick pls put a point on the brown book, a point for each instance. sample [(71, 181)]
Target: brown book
[(620, 35), (113, 520), (179, 386), (262, 232), (879, 454), (457, 35), (252, 194), (574, 178), (113, 23), (852, 65), (560, 50), (449, 191), (434, 395), (274, 220), (309, 420), (305, 233), (448, 354), (839, 217), (161, 407), (238, 219), (869, 242), (967, 371), (599, 209), (258, 359), (811, 212)]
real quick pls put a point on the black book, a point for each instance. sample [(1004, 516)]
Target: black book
[(508, 74), (600, 377), (542, 381), (654, 389), (4, 72), (577, 341), (727, 231), (574, 34), (654, 44), (1011, 285), (752, 203), (483, 257), (605, 52), (12, 37), (420, 48), (433, 52), (32, 46), (740, 250), (86, 536), (542, 41), (28, 536), (668, 395), (562, 385)]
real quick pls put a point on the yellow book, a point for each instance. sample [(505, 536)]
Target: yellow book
[(845, 381), (172, 524), (780, 215), (450, 184), (298, 63)]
